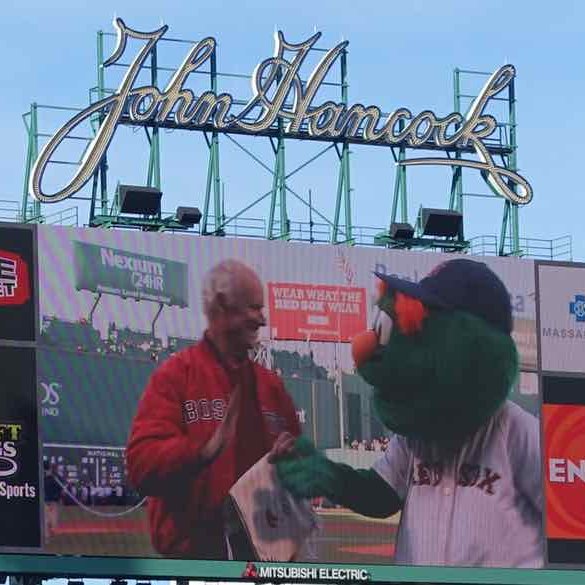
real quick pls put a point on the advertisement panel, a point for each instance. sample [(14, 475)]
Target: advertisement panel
[(21, 496), (562, 317), (319, 313), (107, 270), (100, 356), (17, 287), (563, 413)]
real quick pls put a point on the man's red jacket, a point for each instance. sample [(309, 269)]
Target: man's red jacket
[(183, 403)]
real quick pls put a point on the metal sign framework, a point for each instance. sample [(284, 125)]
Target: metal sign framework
[(105, 212)]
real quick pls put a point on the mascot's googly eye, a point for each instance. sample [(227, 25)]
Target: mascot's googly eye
[(382, 326)]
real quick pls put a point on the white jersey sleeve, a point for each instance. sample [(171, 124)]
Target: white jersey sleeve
[(523, 438), (394, 465)]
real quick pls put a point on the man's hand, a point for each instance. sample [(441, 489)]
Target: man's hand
[(283, 447), (226, 431)]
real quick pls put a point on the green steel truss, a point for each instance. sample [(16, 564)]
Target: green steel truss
[(509, 241)]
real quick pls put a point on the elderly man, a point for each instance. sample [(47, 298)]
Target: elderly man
[(206, 416)]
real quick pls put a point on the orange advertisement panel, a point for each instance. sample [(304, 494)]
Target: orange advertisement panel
[(317, 312), (564, 439)]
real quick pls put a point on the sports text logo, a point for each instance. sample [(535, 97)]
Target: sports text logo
[(10, 434)]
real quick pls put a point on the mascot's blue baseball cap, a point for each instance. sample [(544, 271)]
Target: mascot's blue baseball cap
[(461, 285)]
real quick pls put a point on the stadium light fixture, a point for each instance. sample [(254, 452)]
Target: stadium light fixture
[(401, 231), (139, 200), (445, 223), (189, 216)]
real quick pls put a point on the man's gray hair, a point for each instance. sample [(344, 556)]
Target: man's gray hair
[(224, 279)]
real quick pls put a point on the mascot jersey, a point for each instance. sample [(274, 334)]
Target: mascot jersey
[(479, 507), (463, 466)]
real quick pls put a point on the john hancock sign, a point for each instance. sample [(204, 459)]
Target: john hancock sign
[(280, 96)]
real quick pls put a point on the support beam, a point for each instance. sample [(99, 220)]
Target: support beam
[(103, 168), (344, 179), (213, 177), (31, 208), (153, 175), (399, 199), (278, 202)]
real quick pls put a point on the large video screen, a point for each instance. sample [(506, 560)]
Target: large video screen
[(418, 456)]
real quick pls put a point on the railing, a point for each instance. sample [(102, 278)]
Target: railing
[(536, 248), (9, 211), (243, 227), (320, 232), (540, 249), (483, 246), (68, 217)]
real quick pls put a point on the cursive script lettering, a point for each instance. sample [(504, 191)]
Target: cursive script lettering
[(281, 100)]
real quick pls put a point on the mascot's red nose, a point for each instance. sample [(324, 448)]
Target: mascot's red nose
[(363, 346)]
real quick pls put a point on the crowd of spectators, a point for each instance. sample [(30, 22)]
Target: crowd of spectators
[(82, 337), (377, 444)]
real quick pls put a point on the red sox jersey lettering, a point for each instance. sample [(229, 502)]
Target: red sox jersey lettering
[(426, 473), (481, 506), (204, 410)]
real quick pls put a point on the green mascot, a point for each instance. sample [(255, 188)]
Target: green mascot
[(463, 464)]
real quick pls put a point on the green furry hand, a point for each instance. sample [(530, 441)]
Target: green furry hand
[(306, 473)]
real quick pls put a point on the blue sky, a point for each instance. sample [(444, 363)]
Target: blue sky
[(400, 54)]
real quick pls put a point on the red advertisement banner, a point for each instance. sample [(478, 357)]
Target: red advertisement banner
[(564, 468), (14, 280), (301, 311)]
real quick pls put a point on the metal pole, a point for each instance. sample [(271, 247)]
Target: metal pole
[(311, 216), (502, 247), (154, 165), (284, 223), (314, 407), (275, 185), (515, 221), (100, 60), (402, 172), (31, 155), (222, 203), (339, 384), (35, 153), (456, 198), (153, 326), (343, 183), (210, 167), (340, 183), (93, 308), (396, 196), (103, 166), (347, 194), (217, 206)]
